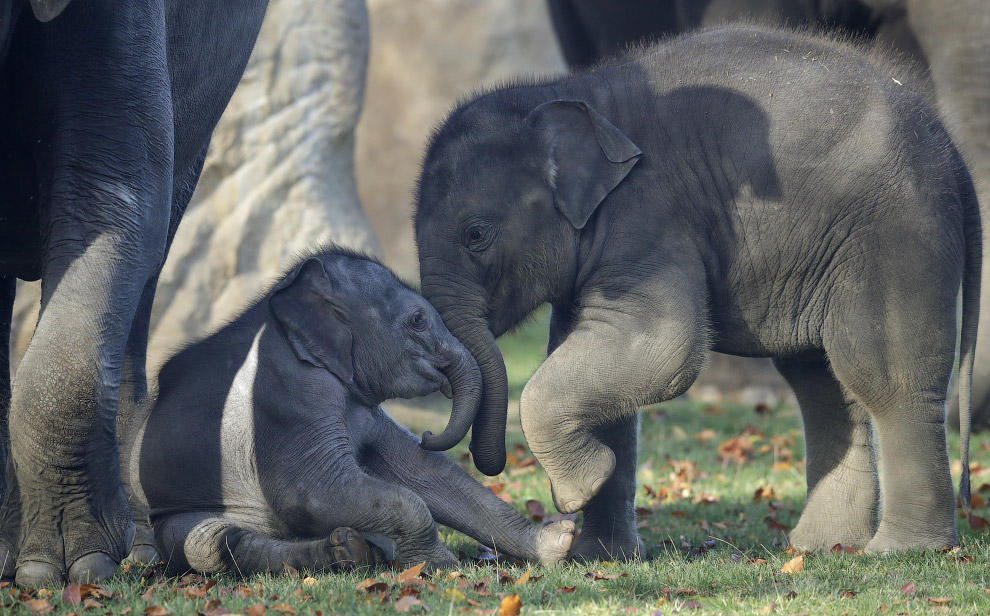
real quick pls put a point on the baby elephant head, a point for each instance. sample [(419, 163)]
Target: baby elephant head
[(353, 318), (504, 193)]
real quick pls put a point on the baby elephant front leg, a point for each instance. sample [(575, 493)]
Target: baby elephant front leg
[(458, 501)]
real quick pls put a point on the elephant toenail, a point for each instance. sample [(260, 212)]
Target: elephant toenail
[(33, 574), (92, 568)]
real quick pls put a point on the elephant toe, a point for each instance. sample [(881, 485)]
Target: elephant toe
[(92, 568), (35, 574), (146, 554)]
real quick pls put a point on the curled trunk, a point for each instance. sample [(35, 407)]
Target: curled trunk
[(488, 434), (465, 383)]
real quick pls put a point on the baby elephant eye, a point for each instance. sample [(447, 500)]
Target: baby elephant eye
[(477, 237), (417, 321)]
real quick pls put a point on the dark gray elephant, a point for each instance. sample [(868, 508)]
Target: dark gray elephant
[(267, 436), (106, 111), (949, 39), (742, 190)]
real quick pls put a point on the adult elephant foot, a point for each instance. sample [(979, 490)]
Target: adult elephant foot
[(596, 546), (888, 540)]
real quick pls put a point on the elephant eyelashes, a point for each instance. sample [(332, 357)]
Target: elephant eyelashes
[(477, 237), (417, 321)]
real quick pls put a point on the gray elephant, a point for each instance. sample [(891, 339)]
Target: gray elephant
[(743, 190), (106, 112), (267, 436), (951, 40)]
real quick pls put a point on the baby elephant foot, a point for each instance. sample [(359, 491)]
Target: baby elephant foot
[(351, 551), (887, 541), (571, 492), (143, 553), (589, 546), (553, 542)]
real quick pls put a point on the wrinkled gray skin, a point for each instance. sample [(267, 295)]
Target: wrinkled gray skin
[(951, 39), (741, 190), (267, 436), (106, 111)]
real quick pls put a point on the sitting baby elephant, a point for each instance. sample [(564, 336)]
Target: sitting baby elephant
[(743, 190), (266, 443)]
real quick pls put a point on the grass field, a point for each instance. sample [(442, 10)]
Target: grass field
[(719, 488)]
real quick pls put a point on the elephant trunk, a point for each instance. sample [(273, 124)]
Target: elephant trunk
[(465, 383), (488, 434)]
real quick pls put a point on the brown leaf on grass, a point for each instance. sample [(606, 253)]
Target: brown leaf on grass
[(978, 523), (510, 605), (496, 488), (149, 595), (705, 435), (643, 511), (764, 493), (157, 610), (284, 608), (371, 585), (976, 501), (909, 589), (963, 560), (773, 524), (939, 600), (839, 548), (847, 594), (566, 589), (794, 565), (411, 573), (678, 514), (39, 606), (407, 603), (72, 595), (736, 449), (535, 510), (782, 466), (290, 570), (258, 609), (791, 595), (524, 577), (704, 499), (984, 488), (755, 561), (92, 604)]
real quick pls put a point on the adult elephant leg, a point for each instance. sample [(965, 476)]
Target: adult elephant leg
[(458, 501), (8, 536), (211, 543), (608, 531), (842, 505), (955, 39), (107, 173), (131, 413)]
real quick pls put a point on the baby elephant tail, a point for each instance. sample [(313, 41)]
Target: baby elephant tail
[(970, 316), (212, 543)]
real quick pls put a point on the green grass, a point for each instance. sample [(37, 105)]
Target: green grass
[(684, 573)]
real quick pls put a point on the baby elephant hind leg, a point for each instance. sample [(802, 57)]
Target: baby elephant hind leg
[(843, 488), (901, 376), (211, 543)]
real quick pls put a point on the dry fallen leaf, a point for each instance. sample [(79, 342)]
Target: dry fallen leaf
[(157, 610), (411, 573), (72, 595), (978, 523), (794, 565), (939, 600), (452, 594), (406, 603), (764, 493), (524, 577), (284, 608), (510, 606), (909, 589), (258, 609), (310, 581), (566, 589), (39, 606)]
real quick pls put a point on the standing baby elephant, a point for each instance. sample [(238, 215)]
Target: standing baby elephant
[(744, 190), (269, 432)]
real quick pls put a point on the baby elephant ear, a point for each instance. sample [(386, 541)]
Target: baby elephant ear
[(588, 156), (315, 324)]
